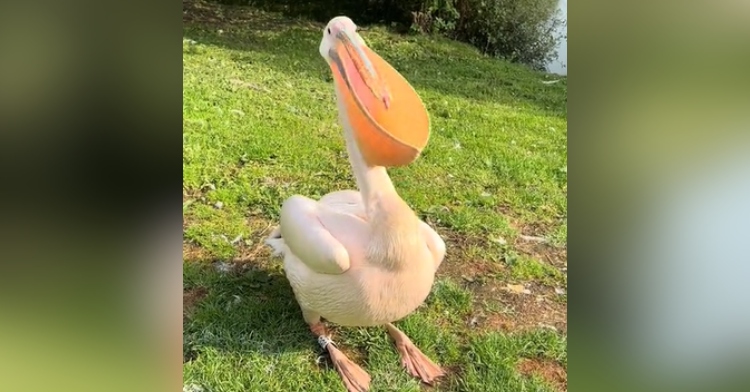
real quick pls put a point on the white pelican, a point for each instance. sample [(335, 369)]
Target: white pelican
[(364, 258)]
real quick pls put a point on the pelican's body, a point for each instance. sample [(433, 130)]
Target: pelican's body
[(363, 258), (369, 292)]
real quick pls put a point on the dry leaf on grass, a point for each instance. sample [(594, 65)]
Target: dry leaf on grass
[(517, 289)]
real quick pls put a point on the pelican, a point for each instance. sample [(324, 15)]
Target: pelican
[(363, 258)]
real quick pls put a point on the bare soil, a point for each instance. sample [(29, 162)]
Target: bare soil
[(550, 371)]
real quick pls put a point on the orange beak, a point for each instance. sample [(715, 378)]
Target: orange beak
[(388, 119)]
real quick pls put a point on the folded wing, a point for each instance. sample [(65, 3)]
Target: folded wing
[(326, 240)]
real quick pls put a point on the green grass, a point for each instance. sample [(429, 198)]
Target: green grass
[(523, 267), (260, 125)]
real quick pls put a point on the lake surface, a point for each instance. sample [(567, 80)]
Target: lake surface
[(560, 66)]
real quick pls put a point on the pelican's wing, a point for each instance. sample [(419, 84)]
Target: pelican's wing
[(348, 202), (326, 240), (434, 243)]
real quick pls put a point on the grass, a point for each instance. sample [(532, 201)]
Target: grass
[(260, 125)]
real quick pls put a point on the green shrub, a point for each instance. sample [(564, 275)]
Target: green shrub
[(517, 30)]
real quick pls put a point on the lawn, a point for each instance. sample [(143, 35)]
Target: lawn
[(260, 124)]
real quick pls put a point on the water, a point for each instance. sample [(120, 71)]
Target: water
[(560, 66)]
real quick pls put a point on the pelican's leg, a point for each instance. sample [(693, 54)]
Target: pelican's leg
[(355, 379), (415, 362)]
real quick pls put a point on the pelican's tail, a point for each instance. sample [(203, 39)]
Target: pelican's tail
[(277, 243)]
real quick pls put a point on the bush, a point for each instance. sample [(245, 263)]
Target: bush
[(516, 30)]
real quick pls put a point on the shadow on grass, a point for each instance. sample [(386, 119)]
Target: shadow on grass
[(439, 65), (245, 309)]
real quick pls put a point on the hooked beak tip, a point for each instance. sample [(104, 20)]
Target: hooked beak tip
[(349, 45)]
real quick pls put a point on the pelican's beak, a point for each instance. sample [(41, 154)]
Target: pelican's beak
[(388, 119)]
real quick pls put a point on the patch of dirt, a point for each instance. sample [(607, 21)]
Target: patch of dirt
[(537, 245), (194, 253), (512, 312), (533, 229), (190, 298), (253, 250), (460, 264), (496, 307), (550, 371)]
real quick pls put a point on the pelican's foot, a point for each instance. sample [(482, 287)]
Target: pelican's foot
[(354, 377), (416, 363)]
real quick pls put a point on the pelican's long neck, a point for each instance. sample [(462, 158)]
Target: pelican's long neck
[(369, 178), (395, 227)]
